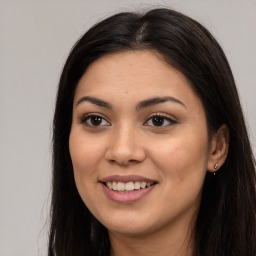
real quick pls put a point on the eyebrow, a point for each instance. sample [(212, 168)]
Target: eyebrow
[(141, 105), (95, 101), (158, 100)]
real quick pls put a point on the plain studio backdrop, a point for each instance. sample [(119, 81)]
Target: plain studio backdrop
[(35, 39)]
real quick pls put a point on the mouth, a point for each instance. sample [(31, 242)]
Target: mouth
[(127, 189), (128, 183), (129, 186)]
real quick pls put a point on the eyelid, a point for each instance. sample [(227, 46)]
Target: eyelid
[(167, 117), (85, 117)]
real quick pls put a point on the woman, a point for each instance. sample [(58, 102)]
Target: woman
[(150, 150)]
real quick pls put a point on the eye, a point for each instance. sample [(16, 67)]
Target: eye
[(94, 120), (159, 120)]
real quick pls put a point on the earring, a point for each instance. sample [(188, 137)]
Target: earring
[(215, 167)]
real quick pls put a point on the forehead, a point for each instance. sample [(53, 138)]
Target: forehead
[(139, 74)]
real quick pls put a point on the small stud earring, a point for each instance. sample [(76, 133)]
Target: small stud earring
[(216, 166)]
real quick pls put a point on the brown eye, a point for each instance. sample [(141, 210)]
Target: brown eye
[(159, 121), (94, 121)]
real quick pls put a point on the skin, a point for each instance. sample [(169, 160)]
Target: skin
[(176, 155)]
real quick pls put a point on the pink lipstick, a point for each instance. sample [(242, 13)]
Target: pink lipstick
[(127, 189)]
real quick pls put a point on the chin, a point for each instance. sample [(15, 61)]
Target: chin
[(127, 230), (129, 226)]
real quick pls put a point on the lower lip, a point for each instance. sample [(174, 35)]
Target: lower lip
[(126, 197)]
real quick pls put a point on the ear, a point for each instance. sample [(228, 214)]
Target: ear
[(218, 149)]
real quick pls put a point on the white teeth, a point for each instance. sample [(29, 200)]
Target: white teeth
[(143, 184), (114, 185), (120, 186), (127, 186), (137, 185), (109, 185)]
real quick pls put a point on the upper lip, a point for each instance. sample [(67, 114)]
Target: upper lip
[(126, 178)]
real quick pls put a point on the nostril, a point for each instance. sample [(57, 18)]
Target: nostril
[(123, 162), (124, 151)]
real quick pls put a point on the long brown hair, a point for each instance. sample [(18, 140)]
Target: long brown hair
[(226, 223)]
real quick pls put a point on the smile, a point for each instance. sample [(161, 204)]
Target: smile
[(127, 186), (127, 189)]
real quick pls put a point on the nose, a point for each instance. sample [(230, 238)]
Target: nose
[(125, 147)]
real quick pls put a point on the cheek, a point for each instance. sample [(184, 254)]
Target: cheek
[(181, 156), (182, 167), (85, 153)]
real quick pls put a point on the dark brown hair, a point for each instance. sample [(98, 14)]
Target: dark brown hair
[(226, 223)]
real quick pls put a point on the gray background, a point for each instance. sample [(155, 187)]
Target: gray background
[(35, 38)]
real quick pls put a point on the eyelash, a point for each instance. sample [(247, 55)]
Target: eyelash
[(87, 117), (165, 118)]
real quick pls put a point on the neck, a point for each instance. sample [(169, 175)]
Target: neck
[(177, 242)]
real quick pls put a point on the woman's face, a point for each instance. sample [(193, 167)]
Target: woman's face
[(138, 144)]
